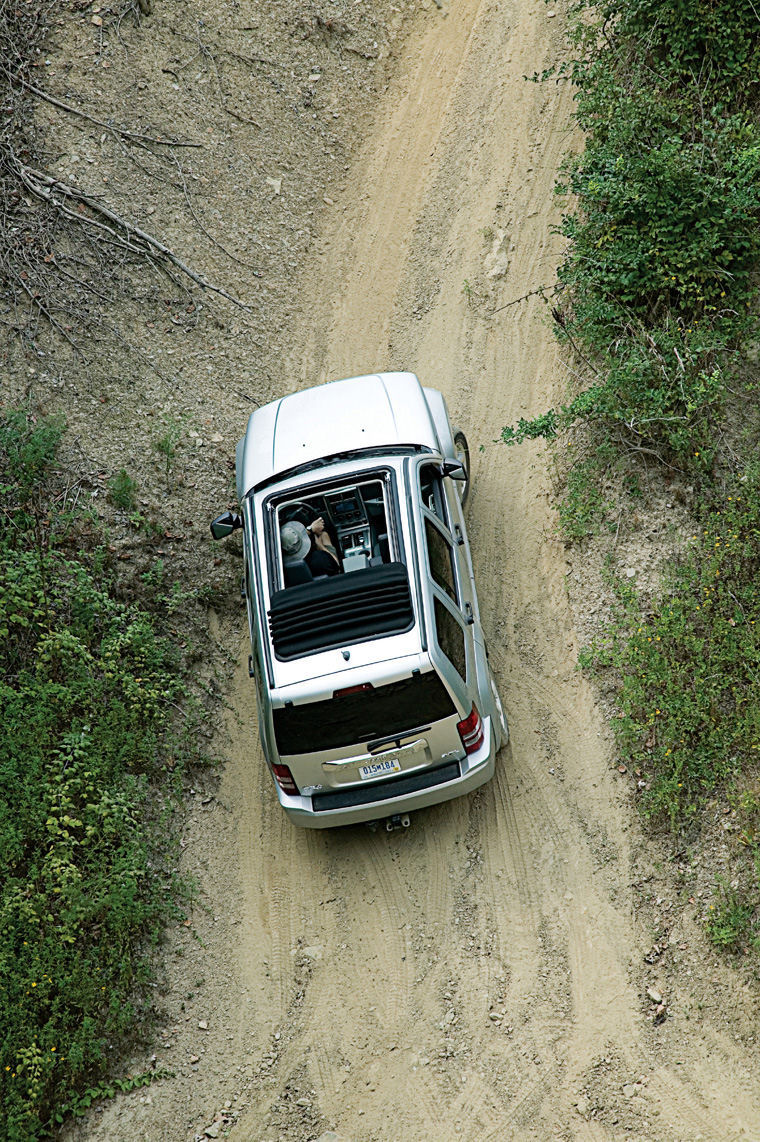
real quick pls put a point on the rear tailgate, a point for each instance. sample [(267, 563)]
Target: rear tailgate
[(367, 734)]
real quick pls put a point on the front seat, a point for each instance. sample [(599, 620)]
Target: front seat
[(297, 572)]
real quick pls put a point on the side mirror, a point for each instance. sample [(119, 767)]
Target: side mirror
[(225, 524), (454, 469)]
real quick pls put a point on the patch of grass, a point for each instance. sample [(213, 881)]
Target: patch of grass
[(584, 510), (732, 924), (122, 491), (689, 697), (90, 759), (690, 671)]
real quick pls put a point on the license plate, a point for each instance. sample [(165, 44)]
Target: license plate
[(380, 768)]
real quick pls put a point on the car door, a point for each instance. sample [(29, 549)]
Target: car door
[(455, 602), (448, 582)]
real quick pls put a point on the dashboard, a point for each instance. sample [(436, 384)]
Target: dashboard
[(346, 508)]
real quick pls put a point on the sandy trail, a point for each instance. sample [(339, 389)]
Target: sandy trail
[(374, 961)]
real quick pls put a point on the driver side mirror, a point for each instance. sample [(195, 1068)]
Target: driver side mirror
[(453, 469), (225, 524)]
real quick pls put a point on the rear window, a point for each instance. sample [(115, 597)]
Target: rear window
[(355, 719)]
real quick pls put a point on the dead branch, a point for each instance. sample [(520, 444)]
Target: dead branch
[(122, 131), (203, 229), (137, 240), (540, 292)]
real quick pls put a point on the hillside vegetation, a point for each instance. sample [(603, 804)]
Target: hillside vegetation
[(657, 305), (92, 753)]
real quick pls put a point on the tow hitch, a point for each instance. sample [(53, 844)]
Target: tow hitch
[(397, 821)]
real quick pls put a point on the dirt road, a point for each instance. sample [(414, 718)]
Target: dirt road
[(482, 975), (478, 977)]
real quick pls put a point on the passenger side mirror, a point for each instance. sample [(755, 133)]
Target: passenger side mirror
[(454, 469), (225, 524)]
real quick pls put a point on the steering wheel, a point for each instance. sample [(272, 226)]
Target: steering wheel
[(301, 512)]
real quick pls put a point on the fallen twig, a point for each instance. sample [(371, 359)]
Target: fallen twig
[(133, 135), (533, 293)]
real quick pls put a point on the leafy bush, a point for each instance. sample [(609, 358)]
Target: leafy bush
[(655, 290), (87, 688), (715, 40)]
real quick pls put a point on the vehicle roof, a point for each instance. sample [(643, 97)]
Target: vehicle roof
[(354, 414)]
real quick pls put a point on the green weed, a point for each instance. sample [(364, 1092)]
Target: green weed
[(91, 750), (122, 491)]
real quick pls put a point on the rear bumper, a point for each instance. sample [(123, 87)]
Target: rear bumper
[(454, 779)]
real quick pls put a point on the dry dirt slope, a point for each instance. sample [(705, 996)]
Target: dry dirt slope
[(482, 976)]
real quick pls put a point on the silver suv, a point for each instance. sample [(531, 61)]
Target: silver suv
[(373, 687)]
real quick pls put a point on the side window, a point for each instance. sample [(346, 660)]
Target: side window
[(431, 491), (451, 638), (441, 559)]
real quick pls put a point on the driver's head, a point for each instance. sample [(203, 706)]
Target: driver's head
[(295, 541)]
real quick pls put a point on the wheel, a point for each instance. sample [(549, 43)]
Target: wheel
[(462, 453), (300, 512), (503, 725)]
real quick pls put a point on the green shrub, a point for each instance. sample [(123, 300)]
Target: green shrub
[(656, 288), (679, 40), (690, 672), (87, 692)]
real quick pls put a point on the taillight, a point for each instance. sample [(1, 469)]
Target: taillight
[(471, 731), (353, 690), (284, 779)]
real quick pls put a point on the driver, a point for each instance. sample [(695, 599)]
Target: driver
[(323, 558), (313, 544)]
